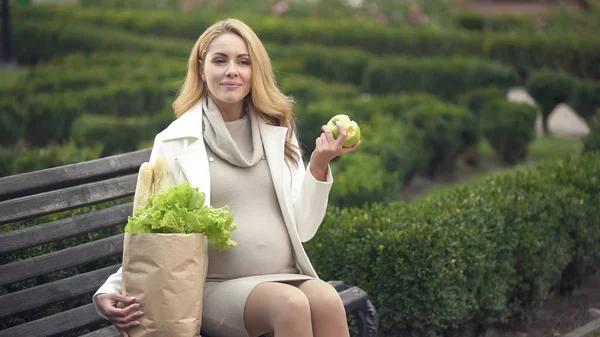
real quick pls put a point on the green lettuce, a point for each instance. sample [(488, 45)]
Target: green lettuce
[(181, 210)]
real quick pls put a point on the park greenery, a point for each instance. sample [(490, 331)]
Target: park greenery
[(428, 87)]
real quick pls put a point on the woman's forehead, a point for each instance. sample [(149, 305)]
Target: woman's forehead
[(229, 44)]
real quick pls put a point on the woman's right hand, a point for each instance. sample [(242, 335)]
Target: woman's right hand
[(123, 319)]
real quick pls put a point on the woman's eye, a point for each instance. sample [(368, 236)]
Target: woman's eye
[(219, 61), (245, 62)]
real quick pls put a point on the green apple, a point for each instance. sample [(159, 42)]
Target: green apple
[(352, 129)]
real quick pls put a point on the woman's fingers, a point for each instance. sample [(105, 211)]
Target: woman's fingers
[(342, 135), (350, 149), (328, 134), (116, 312)]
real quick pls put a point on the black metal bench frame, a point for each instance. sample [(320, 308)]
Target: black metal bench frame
[(34, 194)]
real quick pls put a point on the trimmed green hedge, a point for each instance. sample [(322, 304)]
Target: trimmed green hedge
[(20, 159), (13, 120), (447, 78), (389, 155), (79, 71), (592, 141), (499, 22), (509, 127), (115, 134), (550, 88), (447, 128), (306, 89), (477, 255), (47, 117), (577, 55)]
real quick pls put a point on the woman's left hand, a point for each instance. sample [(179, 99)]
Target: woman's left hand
[(328, 148)]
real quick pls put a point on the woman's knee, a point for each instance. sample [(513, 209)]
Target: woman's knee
[(292, 306), (323, 298), (273, 305)]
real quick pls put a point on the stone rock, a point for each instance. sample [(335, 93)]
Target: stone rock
[(594, 312)]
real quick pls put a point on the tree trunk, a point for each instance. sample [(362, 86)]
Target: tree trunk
[(6, 34)]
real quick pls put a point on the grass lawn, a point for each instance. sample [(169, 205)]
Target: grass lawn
[(540, 150)]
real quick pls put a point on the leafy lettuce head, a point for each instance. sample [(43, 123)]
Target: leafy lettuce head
[(181, 210)]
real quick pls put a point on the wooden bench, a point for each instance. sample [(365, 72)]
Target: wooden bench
[(32, 288)]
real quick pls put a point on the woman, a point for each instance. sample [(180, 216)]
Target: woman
[(235, 139)]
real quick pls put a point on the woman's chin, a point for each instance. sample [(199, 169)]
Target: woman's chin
[(231, 98)]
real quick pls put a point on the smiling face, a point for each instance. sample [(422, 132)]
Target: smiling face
[(227, 70)]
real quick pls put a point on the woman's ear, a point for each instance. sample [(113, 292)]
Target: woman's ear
[(201, 71)]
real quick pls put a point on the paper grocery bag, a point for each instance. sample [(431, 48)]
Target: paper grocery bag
[(166, 274)]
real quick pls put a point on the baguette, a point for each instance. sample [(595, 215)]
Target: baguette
[(143, 188), (162, 180)]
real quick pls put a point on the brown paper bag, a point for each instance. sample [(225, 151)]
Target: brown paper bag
[(166, 274)]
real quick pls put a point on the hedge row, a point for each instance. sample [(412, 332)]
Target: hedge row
[(446, 78), (21, 159), (43, 118), (78, 71), (556, 23), (507, 125), (476, 256), (415, 133), (578, 55), (550, 88)]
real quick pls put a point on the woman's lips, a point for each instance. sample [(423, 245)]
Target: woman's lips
[(232, 85)]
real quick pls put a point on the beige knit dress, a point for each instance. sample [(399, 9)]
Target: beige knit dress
[(264, 251)]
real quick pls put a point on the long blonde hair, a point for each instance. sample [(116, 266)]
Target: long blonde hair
[(268, 101)]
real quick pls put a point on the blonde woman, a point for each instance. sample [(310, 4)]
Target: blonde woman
[(235, 139)]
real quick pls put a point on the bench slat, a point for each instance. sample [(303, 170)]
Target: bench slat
[(59, 260), (64, 228), (53, 292), (70, 198), (109, 331), (353, 298), (69, 175), (55, 324)]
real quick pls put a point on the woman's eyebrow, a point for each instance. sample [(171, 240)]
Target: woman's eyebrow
[(225, 55)]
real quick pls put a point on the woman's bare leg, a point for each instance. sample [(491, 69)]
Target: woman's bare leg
[(278, 307)]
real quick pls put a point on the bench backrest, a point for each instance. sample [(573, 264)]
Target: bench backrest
[(24, 288)]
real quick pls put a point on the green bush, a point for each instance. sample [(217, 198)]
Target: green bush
[(585, 98), (42, 40), (13, 119), (51, 115), (578, 54), (549, 89), (336, 64), (592, 140), (21, 159), (389, 155), (447, 78), (498, 22), (482, 254), (79, 71), (574, 54), (477, 99), (306, 89), (582, 175), (509, 127), (447, 128), (115, 134)]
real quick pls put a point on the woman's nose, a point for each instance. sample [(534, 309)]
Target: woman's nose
[(232, 70)]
